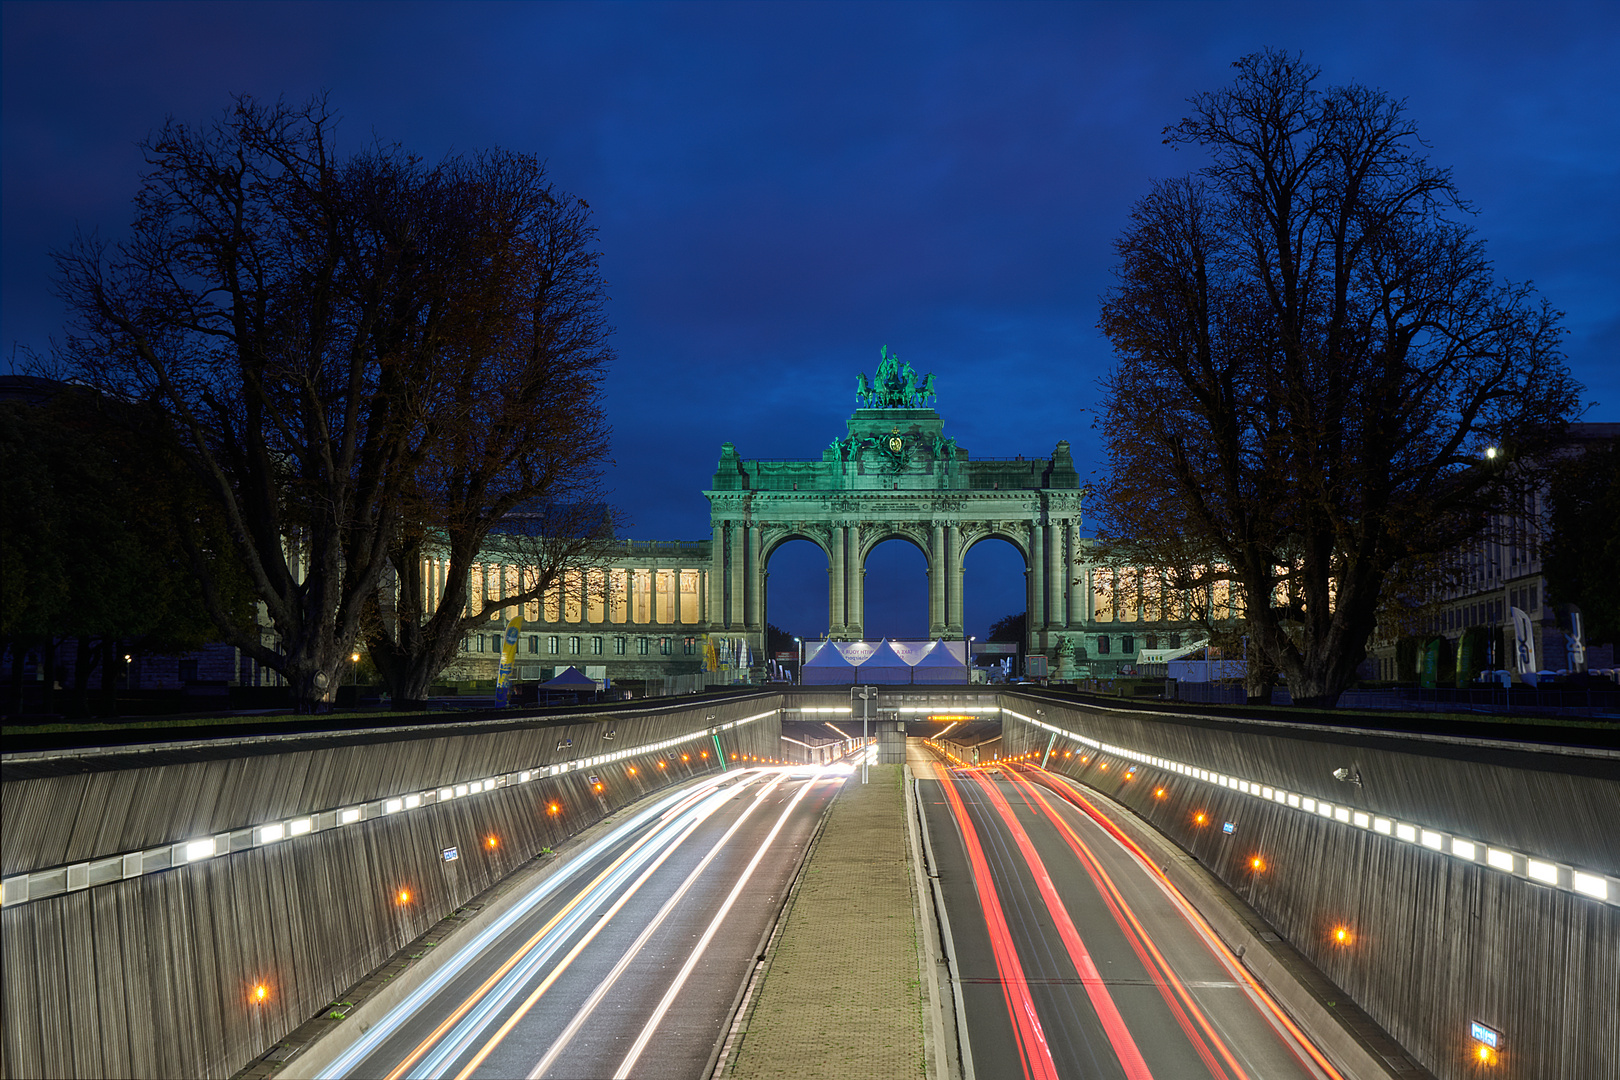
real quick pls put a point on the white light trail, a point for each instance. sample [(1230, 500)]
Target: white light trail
[(657, 1017), (389, 1023), (591, 1003), (512, 984)]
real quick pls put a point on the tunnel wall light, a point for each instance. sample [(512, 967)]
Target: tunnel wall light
[(54, 881), (1466, 849)]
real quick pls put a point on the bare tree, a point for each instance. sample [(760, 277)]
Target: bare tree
[(512, 419), (278, 304), (1313, 359)]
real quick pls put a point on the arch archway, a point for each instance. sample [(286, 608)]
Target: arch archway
[(894, 583), (795, 587), (995, 574)]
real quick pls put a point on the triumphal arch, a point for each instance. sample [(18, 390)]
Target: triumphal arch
[(895, 473), (653, 608)]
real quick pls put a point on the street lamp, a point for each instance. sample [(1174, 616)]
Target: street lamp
[(866, 694), (798, 676), (354, 668)]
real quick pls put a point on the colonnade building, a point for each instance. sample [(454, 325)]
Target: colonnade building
[(647, 608)]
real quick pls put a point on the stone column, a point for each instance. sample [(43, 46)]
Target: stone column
[(716, 595), (734, 557), (1057, 581), (754, 612), (937, 574), (1071, 570), (1037, 581), (836, 584), (854, 583), (953, 580)]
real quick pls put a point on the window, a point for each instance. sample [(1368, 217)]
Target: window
[(689, 645), (1152, 642), (480, 642), (534, 643), (596, 646), (1102, 645), (642, 646), (573, 644), (552, 645), (666, 646), (1175, 641), (619, 645), (1127, 644)]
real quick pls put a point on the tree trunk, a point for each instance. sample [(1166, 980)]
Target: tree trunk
[(1259, 675), (84, 662)]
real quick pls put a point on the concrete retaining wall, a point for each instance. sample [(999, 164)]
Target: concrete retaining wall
[(1436, 942), (152, 976)]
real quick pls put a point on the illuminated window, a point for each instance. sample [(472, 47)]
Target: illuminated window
[(596, 646), (689, 645), (552, 644), (666, 646), (573, 644)]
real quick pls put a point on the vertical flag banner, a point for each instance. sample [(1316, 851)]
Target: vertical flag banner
[(1465, 660), (1431, 664), (1524, 644), (503, 681), (1574, 639)]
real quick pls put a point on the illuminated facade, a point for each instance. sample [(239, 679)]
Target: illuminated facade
[(894, 473)]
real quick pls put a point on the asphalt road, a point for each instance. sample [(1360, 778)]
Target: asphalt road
[(625, 962), (1075, 959)]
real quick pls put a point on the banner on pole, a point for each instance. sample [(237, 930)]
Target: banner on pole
[(503, 679)]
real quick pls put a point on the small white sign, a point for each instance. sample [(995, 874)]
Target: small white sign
[(1489, 1036), (451, 855)]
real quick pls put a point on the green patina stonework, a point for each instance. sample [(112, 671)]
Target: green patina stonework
[(893, 473)]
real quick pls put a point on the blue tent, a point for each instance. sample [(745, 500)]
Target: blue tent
[(827, 667), (570, 679), (938, 665), (884, 667)]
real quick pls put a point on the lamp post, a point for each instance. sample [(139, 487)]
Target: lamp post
[(798, 676), (865, 693), (354, 671)]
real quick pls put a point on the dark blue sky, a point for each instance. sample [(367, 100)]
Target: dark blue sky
[(782, 189)]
